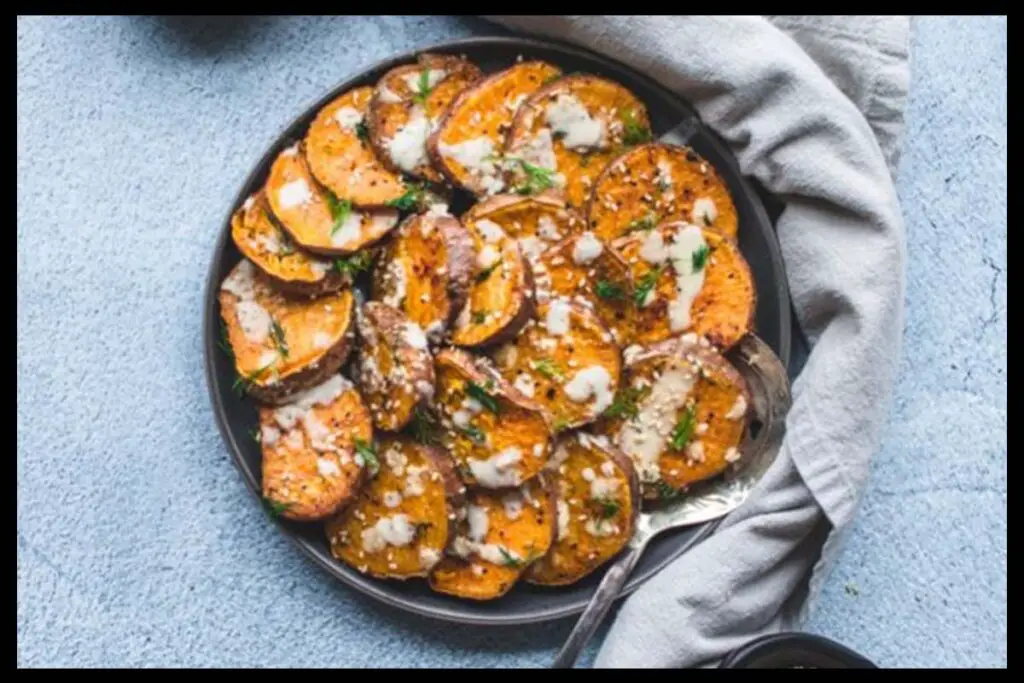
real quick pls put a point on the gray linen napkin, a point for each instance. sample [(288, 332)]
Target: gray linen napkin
[(811, 107)]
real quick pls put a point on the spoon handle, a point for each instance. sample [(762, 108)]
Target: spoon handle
[(602, 600)]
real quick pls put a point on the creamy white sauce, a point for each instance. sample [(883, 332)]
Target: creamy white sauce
[(592, 382), (476, 518), (738, 409), (388, 96), (704, 211), (429, 557), (240, 281), (408, 148), (394, 531), (323, 394), (476, 156), (490, 231), (643, 439), (295, 193), (568, 117), (487, 257), (689, 281), (557, 319), (348, 118), (434, 76), (563, 519), (524, 383), (396, 273), (269, 434), (349, 231), (586, 249), (326, 467), (254, 320), (414, 336), (601, 528), (513, 505), (497, 471), (392, 499)]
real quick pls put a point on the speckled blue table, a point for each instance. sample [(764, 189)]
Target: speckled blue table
[(138, 544)]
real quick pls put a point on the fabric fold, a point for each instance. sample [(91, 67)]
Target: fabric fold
[(812, 108)]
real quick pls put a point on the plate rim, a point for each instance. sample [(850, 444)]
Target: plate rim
[(375, 588)]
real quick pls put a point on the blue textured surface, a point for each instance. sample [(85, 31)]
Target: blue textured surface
[(138, 544)]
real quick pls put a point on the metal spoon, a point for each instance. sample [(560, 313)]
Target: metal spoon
[(770, 400)]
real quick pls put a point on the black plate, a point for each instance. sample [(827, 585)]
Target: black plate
[(524, 603), (795, 650)]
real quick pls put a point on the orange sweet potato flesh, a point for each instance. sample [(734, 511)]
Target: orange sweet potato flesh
[(304, 210), (536, 222), (303, 480), (655, 183), (592, 528), (485, 111), (501, 294), (400, 96), (723, 311), (282, 345), (714, 409), (606, 283), (414, 499), (270, 249), (520, 527), (425, 270), (544, 366), (505, 447), (343, 161), (394, 367), (621, 115)]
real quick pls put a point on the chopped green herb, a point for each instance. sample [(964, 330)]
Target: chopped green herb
[(634, 132), (609, 507), (354, 264), (243, 383), (664, 491), (275, 508), (254, 434), (700, 257), (341, 209), (508, 559), (473, 433), (538, 179), (609, 290), (548, 368), (362, 131), (486, 272), (479, 317), (225, 343), (551, 79), (422, 87), (707, 219), (648, 222), (486, 400), (411, 200), (560, 424), (684, 429), (369, 455), (625, 404), (425, 427), (646, 285), (277, 334)]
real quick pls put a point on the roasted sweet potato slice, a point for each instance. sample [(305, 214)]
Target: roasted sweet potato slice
[(689, 279), (566, 361), (501, 295), (498, 436), (403, 520), (586, 269), (587, 121), (282, 345), (598, 504), (502, 535), (395, 370), (409, 103), (341, 158), (310, 467), (536, 222), (468, 145), (314, 218), (425, 270), (654, 183), (680, 415), (270, 249)]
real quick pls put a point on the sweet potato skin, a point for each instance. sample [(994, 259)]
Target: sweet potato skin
[(387, 117), (544, 366), (473, 433), (485, 110), (304, 209), (536, 222), (269, 248), (716, 397), (343, 161), (723, 311), (620, 113), (655, 183), (425, 270), (520, 528), (501, 297), (301, 483), (394, 367), (605, 284), (583, 545), (318, 334), (416, 481)]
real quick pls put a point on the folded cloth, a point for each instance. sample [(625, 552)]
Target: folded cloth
[(812, 108)]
